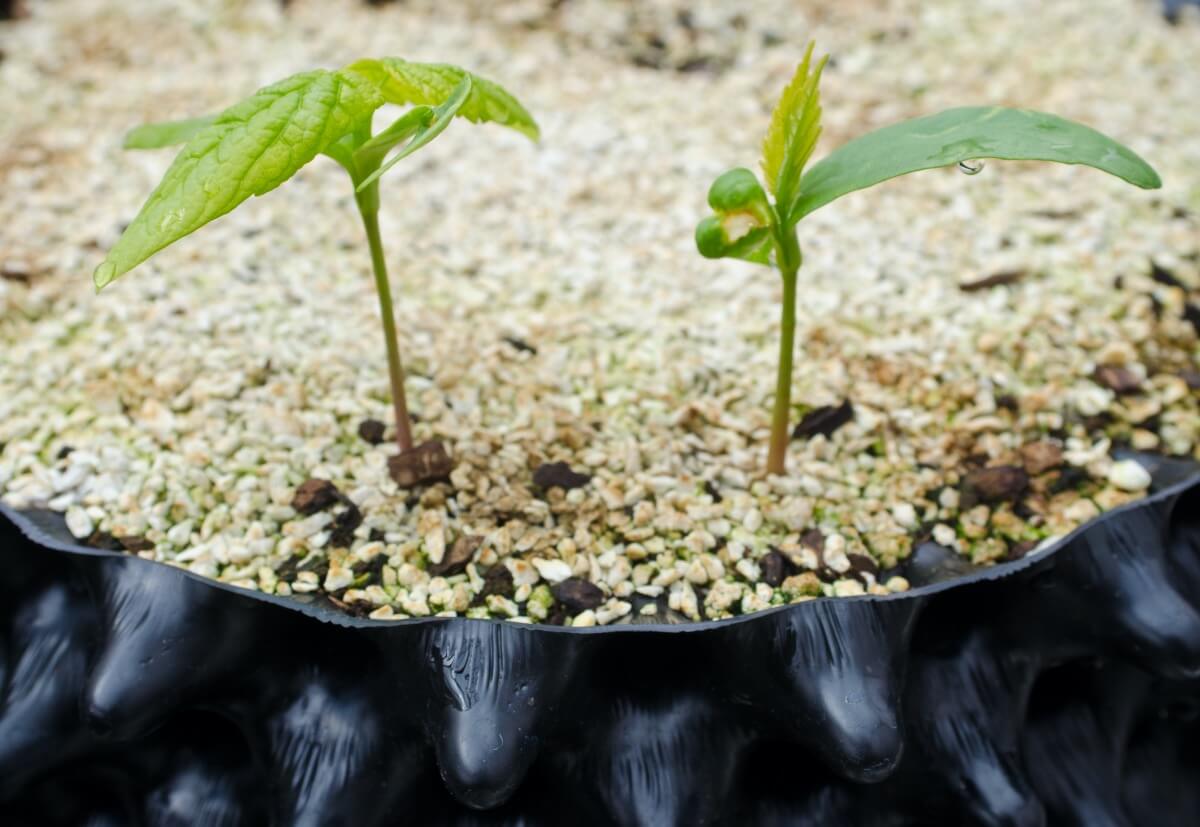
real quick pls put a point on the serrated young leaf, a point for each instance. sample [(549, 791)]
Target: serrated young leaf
[(963, 134), (794, 129), (165, 133), (251, 148), (401, 81), (426, 131)]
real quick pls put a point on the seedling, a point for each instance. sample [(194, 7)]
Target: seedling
[(748, 225), (256, 145)]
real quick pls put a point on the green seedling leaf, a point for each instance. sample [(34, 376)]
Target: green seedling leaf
[(747, 225), (738, 192), (959, 135), (794, 129), (741, 227), (250, 149), (432, 83), (714, 240), (165, 133), (427, 131), (371, 154)]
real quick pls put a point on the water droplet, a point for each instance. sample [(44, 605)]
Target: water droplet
[(970, 167)]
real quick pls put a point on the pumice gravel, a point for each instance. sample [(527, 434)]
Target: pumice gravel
[(976, 350)]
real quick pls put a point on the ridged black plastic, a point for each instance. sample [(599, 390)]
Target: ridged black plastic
[(1061, 689)]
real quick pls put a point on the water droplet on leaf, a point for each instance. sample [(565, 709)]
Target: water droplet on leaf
[(970, 167)]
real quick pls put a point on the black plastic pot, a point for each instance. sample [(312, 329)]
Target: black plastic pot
[(1060, 689)]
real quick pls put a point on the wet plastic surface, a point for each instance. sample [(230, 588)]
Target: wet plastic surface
[(1062, 689)]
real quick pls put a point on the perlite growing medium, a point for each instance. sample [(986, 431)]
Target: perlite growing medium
[(972, 349)]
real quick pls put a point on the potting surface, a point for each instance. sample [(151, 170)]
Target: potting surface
[(971, 349)]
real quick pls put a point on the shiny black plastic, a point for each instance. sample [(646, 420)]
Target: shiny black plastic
[(1060, 689)]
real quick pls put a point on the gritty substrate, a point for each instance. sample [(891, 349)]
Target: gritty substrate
[(552, 308)]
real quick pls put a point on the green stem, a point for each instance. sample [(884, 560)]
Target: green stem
[(368, 207), (788, 255)]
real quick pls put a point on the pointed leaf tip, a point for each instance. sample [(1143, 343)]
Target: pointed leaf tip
[(165, 133), (248, 150), (104, 274), (794, 129), (401, 81), (963, 134)]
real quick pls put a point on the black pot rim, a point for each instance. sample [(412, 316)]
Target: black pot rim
[(30, 528)]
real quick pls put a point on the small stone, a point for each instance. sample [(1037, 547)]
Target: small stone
[(753, 520), (834, 555), (802, 585), (180, 533), (372, 431), (559, 475), (722, 595), (611, 611), (338, 577), (315, 495), (1081, 511), (79, 523), (501, 606), (584, 619), (552, 571), (848, 588), (1129, 475), (428, 462), (455, 560), (997, 483), (906, 515), (577, 594), (1118, 379), (823, 420), (748, 569), (1039, 457), (523, 573), (896, 584), (944, 535)]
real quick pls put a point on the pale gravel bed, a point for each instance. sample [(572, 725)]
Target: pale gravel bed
[(200, 390)]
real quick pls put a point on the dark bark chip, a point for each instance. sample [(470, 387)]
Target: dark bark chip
[(315, 495), (823, 420), (577, 594), (559, 474)]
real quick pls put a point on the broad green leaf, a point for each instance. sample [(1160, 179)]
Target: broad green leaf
[(794, 129), (427, 131), (964, 134), (165, 133), (432, 83), (251, 148)]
